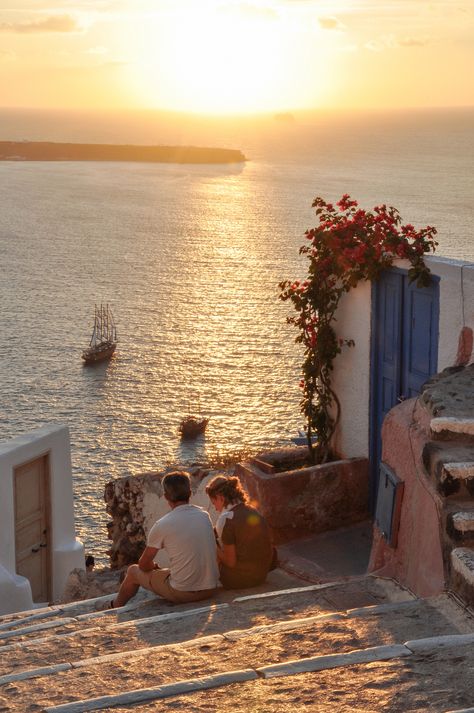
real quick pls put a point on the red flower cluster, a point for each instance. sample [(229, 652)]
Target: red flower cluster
[(348, 245)]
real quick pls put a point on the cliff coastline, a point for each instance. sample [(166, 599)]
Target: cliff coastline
[(51, 151)]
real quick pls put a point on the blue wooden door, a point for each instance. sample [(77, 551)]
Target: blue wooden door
[(404, 350)]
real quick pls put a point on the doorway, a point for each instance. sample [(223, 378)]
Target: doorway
[(404, 350), (32, 526)]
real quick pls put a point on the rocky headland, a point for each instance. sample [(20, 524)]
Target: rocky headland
[(51, 151)]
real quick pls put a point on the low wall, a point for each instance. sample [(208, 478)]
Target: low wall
[(302, 501), (417, 561)]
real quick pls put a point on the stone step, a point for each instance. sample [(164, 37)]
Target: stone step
[(73, 609), (440, 682), (462, 573), (451, 466), (291, 602), (460, 524), (185, 622), (357, 659), (87, 673), (452, 427)]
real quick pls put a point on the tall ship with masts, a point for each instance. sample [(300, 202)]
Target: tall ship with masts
[(104, 336)]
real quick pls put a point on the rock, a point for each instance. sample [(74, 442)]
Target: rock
[(86, 585)]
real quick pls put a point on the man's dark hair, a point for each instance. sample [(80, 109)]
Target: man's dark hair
[(177, 487)]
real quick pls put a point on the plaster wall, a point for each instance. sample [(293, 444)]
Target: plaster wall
[(351, 376), (66, 551), (417, 560), (456, 305)]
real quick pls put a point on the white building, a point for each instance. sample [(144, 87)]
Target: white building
[(38, 546), (402, 335)]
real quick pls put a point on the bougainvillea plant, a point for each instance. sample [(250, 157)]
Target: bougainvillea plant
[(348, 245)]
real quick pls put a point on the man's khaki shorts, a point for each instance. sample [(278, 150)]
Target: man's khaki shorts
[(158, 581)]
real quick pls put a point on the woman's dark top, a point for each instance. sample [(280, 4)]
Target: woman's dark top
[(249, 532)]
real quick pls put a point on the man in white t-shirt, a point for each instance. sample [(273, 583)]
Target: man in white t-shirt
[(187, 536)]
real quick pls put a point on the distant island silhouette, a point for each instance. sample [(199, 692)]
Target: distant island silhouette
[(50, 151)]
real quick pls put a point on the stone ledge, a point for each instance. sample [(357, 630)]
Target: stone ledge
[(434, 643), (35, 673), (36, 627), (152, 694), (322, 663), (282, 592)]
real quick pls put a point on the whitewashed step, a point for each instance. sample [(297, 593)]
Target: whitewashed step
[(463, 522)]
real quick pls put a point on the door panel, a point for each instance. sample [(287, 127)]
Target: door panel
[(421, 337), (32, 525), (387, 332)]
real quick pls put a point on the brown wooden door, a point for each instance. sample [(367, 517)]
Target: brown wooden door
[(32, 526)]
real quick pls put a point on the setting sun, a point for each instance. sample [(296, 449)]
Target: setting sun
[(218, 60)]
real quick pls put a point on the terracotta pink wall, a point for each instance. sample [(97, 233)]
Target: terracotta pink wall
[(417, 560)]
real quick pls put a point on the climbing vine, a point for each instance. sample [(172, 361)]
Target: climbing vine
[(349, 245)]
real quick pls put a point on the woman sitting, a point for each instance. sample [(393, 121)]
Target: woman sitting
[(244, 549)]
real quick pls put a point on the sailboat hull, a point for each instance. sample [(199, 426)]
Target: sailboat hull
[(101, 352)]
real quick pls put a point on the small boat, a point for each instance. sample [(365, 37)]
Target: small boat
[(104, 336), (191, 427), (302, 439)]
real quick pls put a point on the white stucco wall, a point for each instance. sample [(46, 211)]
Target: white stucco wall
[(351, 376), (66, 551), (456, 305)]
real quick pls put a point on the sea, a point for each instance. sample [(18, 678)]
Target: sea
[(189, 257)]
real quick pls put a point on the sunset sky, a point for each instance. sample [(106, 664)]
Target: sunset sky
[(224, 56)]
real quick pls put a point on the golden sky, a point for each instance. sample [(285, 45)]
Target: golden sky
[(226, 56)]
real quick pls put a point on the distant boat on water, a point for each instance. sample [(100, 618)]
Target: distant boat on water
[(191, 427), (302, 439), (104, 336)]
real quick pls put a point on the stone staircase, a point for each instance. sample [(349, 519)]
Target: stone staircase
[(363, 644), (450, 466), (448, 458)]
